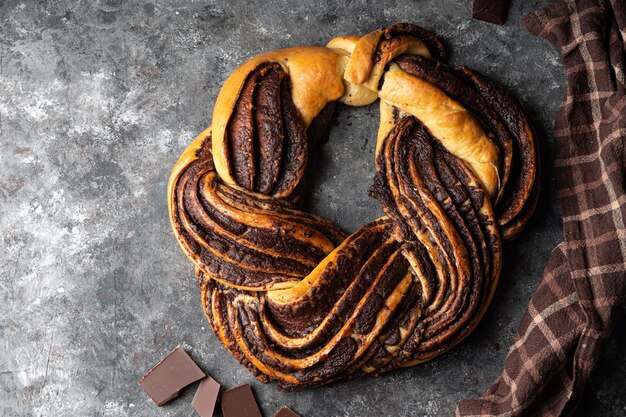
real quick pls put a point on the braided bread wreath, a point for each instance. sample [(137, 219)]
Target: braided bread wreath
[(288, 293)]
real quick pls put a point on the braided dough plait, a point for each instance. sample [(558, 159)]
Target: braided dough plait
[(289, 294)]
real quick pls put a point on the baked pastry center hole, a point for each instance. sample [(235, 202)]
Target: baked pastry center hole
[(341, 170)]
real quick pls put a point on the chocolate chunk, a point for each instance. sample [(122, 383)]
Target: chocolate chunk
[(491, 11), (240, 402), (206, 397), (173, 373), (286, 412)]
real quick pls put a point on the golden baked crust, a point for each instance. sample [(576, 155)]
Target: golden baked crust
[(288, 293)]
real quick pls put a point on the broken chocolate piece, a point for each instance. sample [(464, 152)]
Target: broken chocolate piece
[(286, 412), (491, 11), (206, 397), (240, 402), (173, 373)]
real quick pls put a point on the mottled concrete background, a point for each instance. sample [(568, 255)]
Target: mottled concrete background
[(97, 100)]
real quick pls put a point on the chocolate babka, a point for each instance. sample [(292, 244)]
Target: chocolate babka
[(293, 297)]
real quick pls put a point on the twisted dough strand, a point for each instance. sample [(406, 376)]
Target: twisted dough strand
[(289, 294)]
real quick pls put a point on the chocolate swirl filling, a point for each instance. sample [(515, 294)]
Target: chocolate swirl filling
[(294, 298)]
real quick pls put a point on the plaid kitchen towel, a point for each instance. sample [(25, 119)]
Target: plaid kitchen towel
[(584, 285)]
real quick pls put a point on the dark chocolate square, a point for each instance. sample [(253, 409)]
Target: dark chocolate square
[(286, 412), (173, 373), (205, 399), (240, 402)]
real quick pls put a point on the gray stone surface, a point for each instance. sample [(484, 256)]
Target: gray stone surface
[(97, 100)]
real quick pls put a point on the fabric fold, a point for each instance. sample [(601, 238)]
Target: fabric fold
[(583, 287)]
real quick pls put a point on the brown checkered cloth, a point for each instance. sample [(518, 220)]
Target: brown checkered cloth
[(584, 284)]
